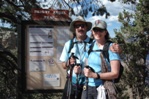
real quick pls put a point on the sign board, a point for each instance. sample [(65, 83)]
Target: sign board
[(41, 47), (50, 14)]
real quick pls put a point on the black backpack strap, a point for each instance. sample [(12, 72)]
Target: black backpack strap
[(105, 50), (91, 48), (71, 45), (90, 41)]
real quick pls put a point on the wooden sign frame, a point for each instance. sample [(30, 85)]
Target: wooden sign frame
[(40, 49)]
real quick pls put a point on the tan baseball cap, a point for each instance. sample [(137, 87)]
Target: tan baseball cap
[(100, 24)]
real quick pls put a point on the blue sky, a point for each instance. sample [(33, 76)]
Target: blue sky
[(114, 8)]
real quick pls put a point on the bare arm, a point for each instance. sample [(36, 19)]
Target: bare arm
[(115, 67)]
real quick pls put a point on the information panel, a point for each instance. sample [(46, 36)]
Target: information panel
[(42, 48)]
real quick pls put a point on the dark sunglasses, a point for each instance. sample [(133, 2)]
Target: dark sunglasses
[(98, 30), (79, 25)]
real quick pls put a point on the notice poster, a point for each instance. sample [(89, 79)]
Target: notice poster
[(40, 41), (37, 65), (51, 80)]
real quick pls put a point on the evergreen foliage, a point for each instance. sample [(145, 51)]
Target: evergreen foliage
[(134, 37)]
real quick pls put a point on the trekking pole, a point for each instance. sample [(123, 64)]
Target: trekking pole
[(77, 80), (70, 82), (76, 95), (86, 81), (77, 83), (86, 86), (69, 88)]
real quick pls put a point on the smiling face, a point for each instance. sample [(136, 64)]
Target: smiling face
[(80, 30), (98, 33)]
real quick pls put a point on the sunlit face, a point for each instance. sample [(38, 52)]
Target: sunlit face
[(99, 34), (80, 29)]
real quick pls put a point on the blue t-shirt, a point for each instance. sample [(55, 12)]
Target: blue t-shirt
[(94, 61), (79, 52)]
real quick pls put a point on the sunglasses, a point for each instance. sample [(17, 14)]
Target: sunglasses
[(98, 30), (79, 25)]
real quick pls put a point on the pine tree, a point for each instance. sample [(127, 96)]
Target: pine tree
[(134, 36)]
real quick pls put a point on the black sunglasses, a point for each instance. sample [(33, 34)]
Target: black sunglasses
[(79, 25), (98, 30)]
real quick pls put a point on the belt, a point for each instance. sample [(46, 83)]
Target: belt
[(79, 86), (85, 87)]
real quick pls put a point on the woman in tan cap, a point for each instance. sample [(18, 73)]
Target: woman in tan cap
[(94, 71)]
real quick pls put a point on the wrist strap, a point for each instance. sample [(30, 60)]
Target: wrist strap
[(98, 76)]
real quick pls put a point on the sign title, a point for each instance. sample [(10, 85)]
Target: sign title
[(50, 14)]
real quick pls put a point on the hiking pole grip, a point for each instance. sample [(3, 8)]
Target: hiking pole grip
[(77, 81), (86, 81), (71, 66)]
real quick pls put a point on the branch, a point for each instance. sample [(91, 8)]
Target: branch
[(8, 17), (66, 3)]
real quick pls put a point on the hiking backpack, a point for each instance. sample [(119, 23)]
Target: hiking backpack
[(72, 44), (106, 56)]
